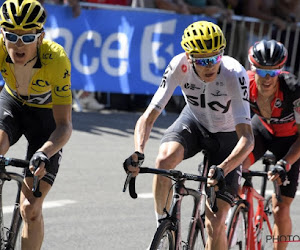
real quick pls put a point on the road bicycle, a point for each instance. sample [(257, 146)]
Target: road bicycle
[(10, 238), (246, 229), (168, 234)]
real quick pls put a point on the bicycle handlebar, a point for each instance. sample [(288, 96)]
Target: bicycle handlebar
[(176, 174), (264, 174), (19, 163)]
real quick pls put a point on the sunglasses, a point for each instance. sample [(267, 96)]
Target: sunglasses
[(26, 39), (270, 72), (207, 61)]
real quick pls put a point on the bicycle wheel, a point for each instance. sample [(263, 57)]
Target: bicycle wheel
[(164, 237), (236, 230), (266, 239)]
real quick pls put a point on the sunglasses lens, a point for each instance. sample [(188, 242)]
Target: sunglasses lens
[(28, 38), (271, 73), (206, 61), (11, 37)]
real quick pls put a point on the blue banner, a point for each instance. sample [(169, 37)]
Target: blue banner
[(118, 51)]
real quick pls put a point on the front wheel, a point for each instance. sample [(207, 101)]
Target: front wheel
[(236, 230), (164, 237)]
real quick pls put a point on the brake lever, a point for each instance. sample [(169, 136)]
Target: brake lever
[(36, 185), (128, 178)]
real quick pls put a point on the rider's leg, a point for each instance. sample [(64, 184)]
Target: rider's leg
[(282, 222), (169, 156), (4, 142), (215, 226), (31, 211)]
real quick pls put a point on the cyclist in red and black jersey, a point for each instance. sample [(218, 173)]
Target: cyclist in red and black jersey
[(275, 102)]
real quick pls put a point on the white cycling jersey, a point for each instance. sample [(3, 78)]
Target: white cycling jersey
[(219, 105)]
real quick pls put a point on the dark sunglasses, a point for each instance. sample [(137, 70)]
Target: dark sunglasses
[(26, 39), (208, 60), (270, 72)]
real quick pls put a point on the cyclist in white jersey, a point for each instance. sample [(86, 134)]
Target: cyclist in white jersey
[(216, 118)]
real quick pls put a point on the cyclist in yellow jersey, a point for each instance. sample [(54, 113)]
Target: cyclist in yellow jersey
[(35, 102)]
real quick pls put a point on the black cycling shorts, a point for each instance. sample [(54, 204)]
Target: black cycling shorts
[(36, 124), (279, 146), (187, 131)]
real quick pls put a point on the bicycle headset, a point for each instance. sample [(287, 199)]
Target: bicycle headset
[(203, 37)]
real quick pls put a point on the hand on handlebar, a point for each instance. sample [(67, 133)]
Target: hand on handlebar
[(132, 163), (277, 173), (216, 177), (38, 164)]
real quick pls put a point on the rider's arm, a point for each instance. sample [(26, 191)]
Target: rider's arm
[(143, 128), (241, 150), (62, 132)]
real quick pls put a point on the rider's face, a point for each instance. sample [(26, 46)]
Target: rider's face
[(266, 79), (20, 52), (206, 65)]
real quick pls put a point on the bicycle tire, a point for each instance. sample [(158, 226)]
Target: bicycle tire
[(236, 230), (266, 239), (164, 237)]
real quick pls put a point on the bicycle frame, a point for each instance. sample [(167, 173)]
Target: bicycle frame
[(255, 224), (179, 192), (9, 241), (199, 198)]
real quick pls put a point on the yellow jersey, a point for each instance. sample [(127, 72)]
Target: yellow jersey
[(51, 83)]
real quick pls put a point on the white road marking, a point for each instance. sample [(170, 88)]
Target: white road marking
[(150, 195), (47, 204)]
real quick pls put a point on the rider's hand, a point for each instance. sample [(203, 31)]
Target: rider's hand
[(278, 172), (216, 177), (132, 163), (38, 164)]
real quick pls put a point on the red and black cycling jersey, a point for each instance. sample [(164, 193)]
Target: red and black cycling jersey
[(285, 105)]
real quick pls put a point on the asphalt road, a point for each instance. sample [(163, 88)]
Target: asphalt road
[(86, 208)]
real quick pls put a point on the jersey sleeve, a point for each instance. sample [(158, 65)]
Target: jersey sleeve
[(240, 97), (61, 87), (169, 82)]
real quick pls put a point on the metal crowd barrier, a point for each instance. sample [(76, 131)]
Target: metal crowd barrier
[(242, 32)]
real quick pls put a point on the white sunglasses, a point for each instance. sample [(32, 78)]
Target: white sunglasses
[(26, 39)]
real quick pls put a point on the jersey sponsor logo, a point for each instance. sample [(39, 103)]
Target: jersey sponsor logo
[(296, 103), (277, 103), (164, 78), (62, 91), (244, 88), (184, 68), (40, 83), (220, 83), (218, 93), (40, 99), (4, 72), (190, 86), (66, 74), (47, 56), (214, 105), (185, 127), (286, 119)]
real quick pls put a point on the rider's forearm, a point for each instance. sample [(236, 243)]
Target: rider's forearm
[(143, 128), (243, 148), (141, 134), (57, 139)]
